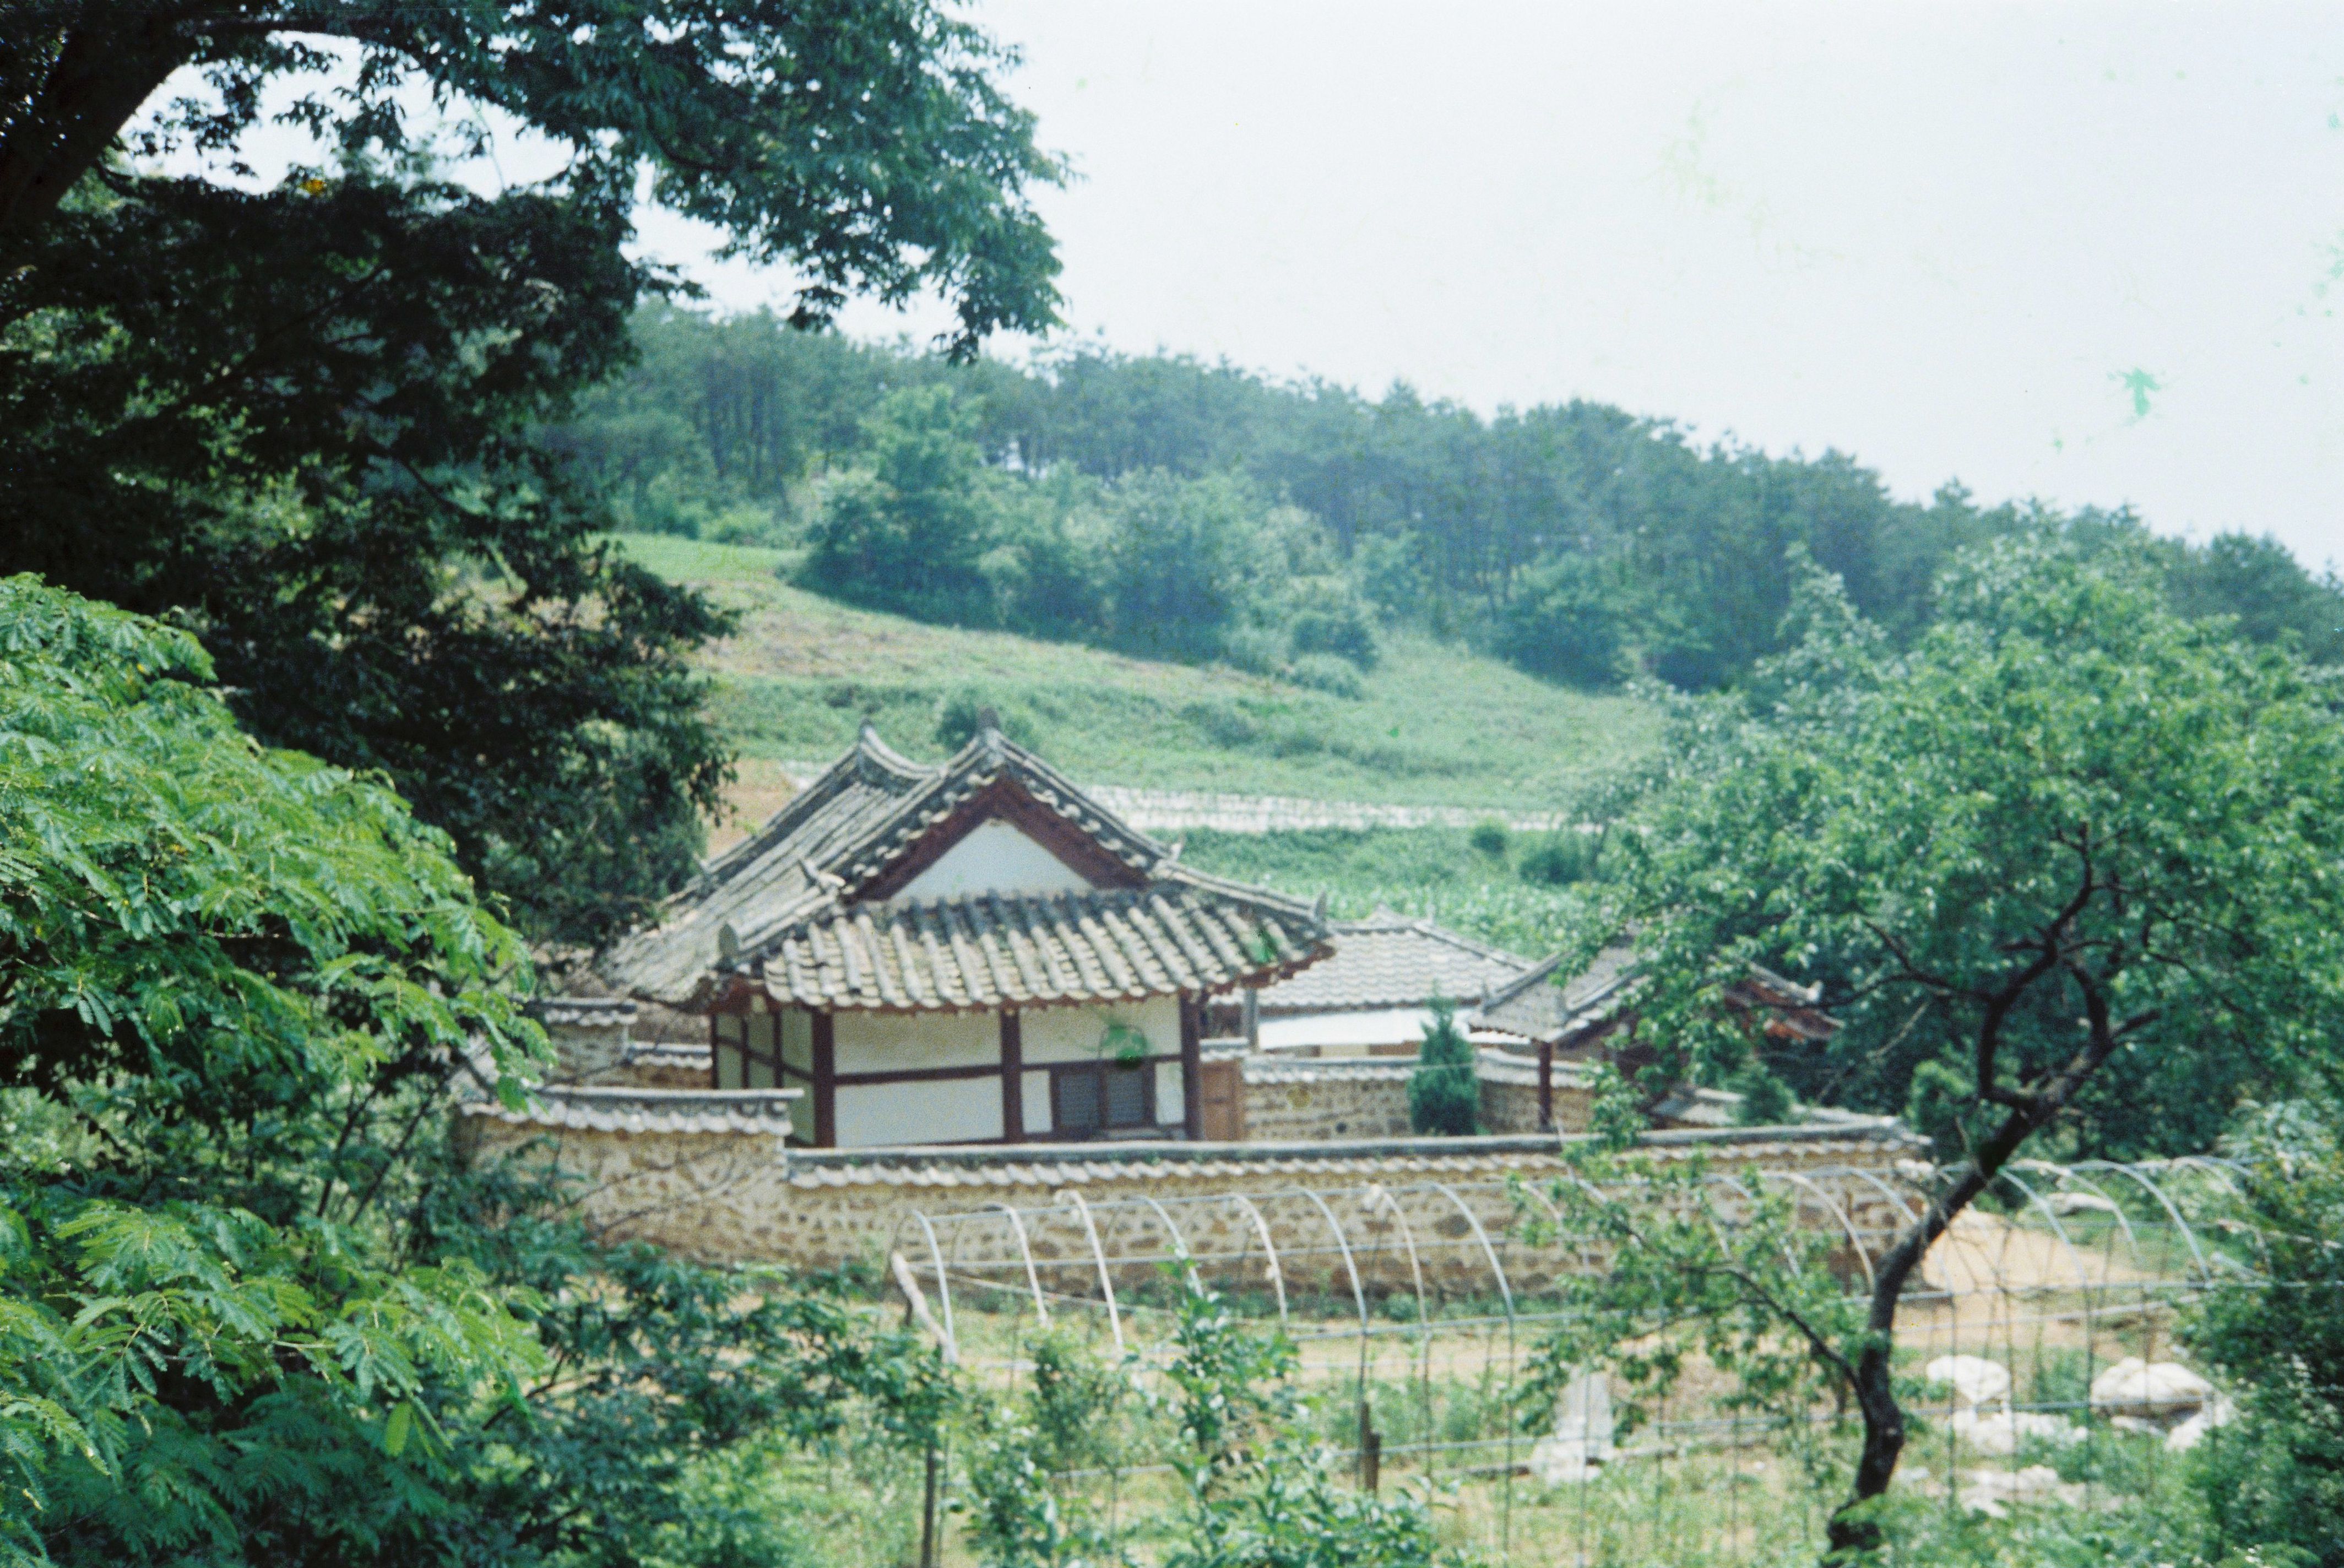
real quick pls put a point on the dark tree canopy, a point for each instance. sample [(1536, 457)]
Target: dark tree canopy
[(863, 142), (306, 420)]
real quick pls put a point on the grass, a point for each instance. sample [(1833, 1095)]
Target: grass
[(1436, 724)]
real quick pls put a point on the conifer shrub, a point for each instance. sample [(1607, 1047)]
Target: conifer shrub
[(1444, 1097)]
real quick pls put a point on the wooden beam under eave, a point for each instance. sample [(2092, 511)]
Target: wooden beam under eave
[(826, 1081), (1192, 1068), (1013, 1077)]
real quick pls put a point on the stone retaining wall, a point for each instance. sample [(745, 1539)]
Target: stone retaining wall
[(737, 1198)]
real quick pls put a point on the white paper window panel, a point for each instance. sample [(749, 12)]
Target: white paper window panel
[(1169, 1108), (728, 1067), (1034, 1088), (797, 1039), (956, 1110)]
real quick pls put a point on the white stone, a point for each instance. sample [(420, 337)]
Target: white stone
[(2152, 1391), (2071, 1202), (1991, 1491), (2216, 1411), (2000, 1433), (1976, 1381), (1583, 1432)]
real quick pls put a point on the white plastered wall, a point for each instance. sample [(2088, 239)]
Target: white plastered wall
[(904, 1042), (995, 857), (1076, 1033), (954, 1111)]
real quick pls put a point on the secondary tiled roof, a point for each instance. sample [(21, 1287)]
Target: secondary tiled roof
[(799, 905), (1535, 1007), (1182, 933), (645, 1110), (1390, 961)]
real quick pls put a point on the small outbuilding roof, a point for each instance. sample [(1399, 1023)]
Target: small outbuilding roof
[(1535, 1007), (1539, 1008), (1391, 961)]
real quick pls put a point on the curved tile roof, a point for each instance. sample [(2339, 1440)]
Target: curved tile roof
[(1538, 1007), (1180, 934), (1391, 961), (643, 1111)]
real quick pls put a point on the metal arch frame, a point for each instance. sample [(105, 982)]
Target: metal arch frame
[(2189, 1231), (2074, 1256), (1378, 1199), (1268, 1250), (1179, 1243), (1837, 1212), (944, 1283), (1107, 1284), (2067, 1174), (1506, 1293), (1505, 1286), (1026, 1252), (1872, 1180), (1350, 1267)]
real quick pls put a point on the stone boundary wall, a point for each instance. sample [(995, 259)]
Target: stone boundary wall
[(732, 1197), (1170, 810), (1315, 1101)]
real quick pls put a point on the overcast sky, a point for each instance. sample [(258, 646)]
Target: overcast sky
[(1954, 239), (2093, 253)]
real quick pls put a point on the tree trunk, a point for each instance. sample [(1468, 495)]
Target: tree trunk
[(98, 79), (1875, 1394)]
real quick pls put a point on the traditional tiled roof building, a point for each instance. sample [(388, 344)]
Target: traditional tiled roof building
[(973, 952), (1374, 996)]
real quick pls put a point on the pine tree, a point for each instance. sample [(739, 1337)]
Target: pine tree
[(1444, 1097)]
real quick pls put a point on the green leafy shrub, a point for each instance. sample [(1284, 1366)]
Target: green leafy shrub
[(958, 716), (1490, 838), (1444, 1095), (1565, 622), (1325, 673)]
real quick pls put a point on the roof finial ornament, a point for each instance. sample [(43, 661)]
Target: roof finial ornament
[(1318, 910), (869, 733)]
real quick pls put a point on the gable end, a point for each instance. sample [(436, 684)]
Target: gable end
[(1005, 800)]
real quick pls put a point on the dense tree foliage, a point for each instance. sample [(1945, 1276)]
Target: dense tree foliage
[(1196, 567), (2069, 866), (305, 418), (251, 1310), (1575, 539), (2276, 1477)]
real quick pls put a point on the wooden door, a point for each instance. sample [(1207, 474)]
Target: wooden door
[(1222, 1086)]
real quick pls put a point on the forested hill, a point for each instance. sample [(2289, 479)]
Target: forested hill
[(1170, 506)]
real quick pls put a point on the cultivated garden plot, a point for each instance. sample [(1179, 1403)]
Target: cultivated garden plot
[(2036, 1357)]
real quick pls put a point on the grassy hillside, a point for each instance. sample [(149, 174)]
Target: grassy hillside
[(1438, 873), (1435, 725)]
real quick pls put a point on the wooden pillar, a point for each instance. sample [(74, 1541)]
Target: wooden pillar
[(1252, 1018), (1192, 1069), (1546, 1085), (714, 1082), (826, 1081), (1012, 1077)]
